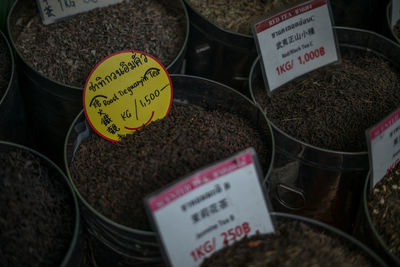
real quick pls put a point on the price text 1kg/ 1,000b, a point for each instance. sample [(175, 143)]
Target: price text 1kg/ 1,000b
[(303, 59)]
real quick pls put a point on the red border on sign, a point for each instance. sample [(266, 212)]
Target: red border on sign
[(288, 14), (98, 64), (197, 180), (392, 119)]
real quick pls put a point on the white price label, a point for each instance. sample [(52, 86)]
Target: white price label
[(213, 207), (384, 146), (395, 12), (54, 10), (295, 42)]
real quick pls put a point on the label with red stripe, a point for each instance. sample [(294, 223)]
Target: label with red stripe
[(210, 208), (298, 10), (295, 42), (383, 141)]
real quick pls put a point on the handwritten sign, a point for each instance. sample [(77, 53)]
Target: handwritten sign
[(210, 209), (125, 92), (395, 12), (55, 10), (295, 42), (383, 142)]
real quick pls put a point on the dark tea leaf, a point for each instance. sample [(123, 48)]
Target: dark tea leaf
[(115, 177)]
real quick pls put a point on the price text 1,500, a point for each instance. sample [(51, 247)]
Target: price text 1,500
[(149, 98)]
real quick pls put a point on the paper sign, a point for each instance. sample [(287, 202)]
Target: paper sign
[(383, 141), (54, 10), (125, 92), (395, 12), (295, 42), (215, 206)]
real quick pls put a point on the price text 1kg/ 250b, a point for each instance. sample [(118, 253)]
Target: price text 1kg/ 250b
[(228, 236)]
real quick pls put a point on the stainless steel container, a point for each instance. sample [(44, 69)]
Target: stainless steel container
[(352, 243), (13, 126), (218, 54), (316, 182), (366, 231), (73, 255), (225, 56), (388, 30), (118, 243), (52, 105)]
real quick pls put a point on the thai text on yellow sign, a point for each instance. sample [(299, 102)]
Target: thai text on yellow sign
[(125, 92)]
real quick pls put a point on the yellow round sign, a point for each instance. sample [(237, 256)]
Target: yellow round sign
[(125, 92)]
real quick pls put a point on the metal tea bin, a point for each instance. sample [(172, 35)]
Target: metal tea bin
[(366, 231), (335, 233), (73, 254), (119, 243), (12, 112), (315, 182), (226, 56), (387, 28), (218, 54), (52, 105)]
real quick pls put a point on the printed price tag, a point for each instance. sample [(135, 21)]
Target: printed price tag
[(125, 92), (395, 12), (295, 42), (54, 10), (208, 209), (383, 142)]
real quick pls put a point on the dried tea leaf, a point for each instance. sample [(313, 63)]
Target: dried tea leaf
[(385, 214), (332, 107), (68, 50), (293, 244), (237, 15), (36, 213), (114, 178)]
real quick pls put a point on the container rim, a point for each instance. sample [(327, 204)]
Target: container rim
[(370, 223), (219, 28), (255, 63), (75, 236), (139, 231), (330, 151), (13, 71), (13, 7), (233, 33), (388, 21), (334, 230), (184, 44)]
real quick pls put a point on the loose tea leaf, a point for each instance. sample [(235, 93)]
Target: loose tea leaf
[(5, 67), (115, 177), (384, 209), (332, 107), (293, 244), (237, 15), (68, 50), (36, 213)]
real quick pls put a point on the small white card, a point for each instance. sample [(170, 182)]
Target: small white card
[(383, 142), (395, 12), (54, 10), (212, 207), (295, 42)]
